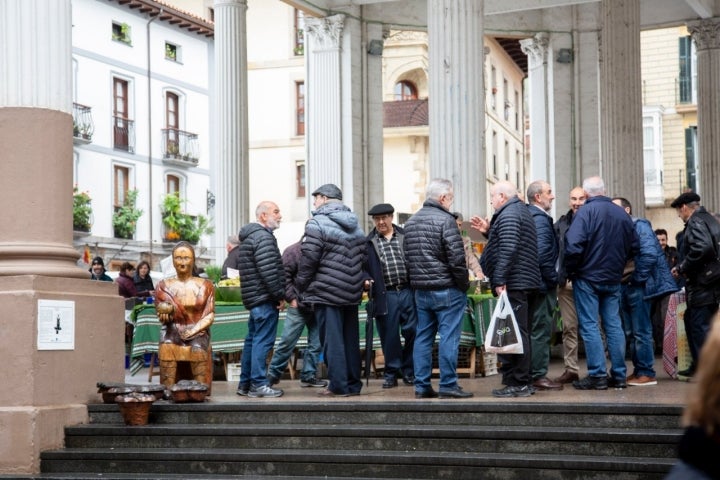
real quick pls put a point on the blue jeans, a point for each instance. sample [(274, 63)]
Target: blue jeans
[(340, 334), (295, 322), (262, 329), (438, 311), (401, 318), (635, 312), (593, 300)]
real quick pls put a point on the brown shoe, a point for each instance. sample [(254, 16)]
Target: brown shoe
[(545, 383), (567, 377)]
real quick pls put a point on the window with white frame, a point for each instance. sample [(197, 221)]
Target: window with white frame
[(652, 154)]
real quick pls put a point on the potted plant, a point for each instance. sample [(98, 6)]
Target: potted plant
[(125, 218), (180, 225), (82, 210)]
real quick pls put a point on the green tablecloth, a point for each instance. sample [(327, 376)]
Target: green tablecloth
[(228, 332)]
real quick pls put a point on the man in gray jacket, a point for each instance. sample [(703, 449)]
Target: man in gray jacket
[(436, 265), (330, 278)]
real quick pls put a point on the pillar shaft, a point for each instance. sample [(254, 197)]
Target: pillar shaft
[(231, 172), (706, 34), (457, 100), (621, 102)]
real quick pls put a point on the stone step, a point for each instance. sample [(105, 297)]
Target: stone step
[(406, 413), (431, 438), (353, 463)]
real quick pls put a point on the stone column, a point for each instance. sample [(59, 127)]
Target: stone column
[(231, 157), (51, 372), (542, 161), (457, 100), (706, 34), (621, 102), (323, 136)]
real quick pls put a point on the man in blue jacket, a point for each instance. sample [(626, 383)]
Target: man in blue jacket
[(647, 276), (598, 244)]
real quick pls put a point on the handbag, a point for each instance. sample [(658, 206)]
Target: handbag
[(503, 332)]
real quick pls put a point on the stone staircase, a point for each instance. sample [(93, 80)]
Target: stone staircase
[(339, 439)]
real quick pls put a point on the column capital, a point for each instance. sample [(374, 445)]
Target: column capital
[(230, 3), (326, 32), (536, 47), (705, 33)]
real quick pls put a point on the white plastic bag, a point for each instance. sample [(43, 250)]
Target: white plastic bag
[(503, 334)]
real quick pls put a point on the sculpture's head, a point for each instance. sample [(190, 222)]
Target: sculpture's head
[(183, 259)]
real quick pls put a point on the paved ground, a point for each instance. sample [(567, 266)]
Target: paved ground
[(668, 391)]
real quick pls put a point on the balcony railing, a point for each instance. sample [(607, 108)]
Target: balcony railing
[(180, 147), (83, 125), (123, 134)]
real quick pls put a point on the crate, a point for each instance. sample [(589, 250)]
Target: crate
[(232, 372), (490, 362)]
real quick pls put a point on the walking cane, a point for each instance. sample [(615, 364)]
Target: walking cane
[(369, 330)]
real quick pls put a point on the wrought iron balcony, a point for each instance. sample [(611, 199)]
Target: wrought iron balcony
[(123, 134), (180, 147), (83, 125)]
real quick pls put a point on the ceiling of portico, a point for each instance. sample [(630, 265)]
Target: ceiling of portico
[(529, 14)]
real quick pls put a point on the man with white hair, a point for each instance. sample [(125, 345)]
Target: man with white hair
[(598, 244)]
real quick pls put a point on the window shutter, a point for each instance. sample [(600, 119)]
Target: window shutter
[(690, 158), (685, 81)]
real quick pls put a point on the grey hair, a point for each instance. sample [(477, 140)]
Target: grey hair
[(535, 188), (263, 207), (506, 188), (594, 186), (438, 187)]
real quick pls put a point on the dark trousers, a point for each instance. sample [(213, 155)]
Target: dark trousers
[(400, 319), (697, 325), (515, 369), (340, 334)]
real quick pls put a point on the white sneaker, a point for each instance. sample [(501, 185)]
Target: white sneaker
[(264, 391)]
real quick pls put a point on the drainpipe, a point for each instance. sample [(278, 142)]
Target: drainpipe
[(149, 104)]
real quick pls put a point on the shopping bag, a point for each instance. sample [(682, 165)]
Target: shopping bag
[(503, 333)]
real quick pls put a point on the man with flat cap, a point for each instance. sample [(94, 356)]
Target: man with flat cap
[(698, 251), (393, 302), (330, 279)]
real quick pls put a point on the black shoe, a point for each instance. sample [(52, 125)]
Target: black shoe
[(272, 380), (591, 383), (313, 382), (409, 379), (456, 392), (512, 391), (427, 394), (243, 390), (616, 383), (390, 383), (687, 373)]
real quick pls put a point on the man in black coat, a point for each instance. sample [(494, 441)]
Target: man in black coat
[(263, 294), (698, 249), (233, 259), (438, 274), (392, 296), (510, 260)]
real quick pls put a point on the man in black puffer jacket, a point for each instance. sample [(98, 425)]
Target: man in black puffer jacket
[(438, 274), (263, 292), (330, 278), (510, 260)]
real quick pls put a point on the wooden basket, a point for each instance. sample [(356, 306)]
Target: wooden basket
[(135, 413)]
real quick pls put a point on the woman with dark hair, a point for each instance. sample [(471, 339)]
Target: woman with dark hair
[(143, 281), (126, 286)]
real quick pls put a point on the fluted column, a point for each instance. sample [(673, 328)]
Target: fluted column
[(706, 34), (457, 100), (36, 139), (621, 102), (231, 159), (539, 102), (323, 136)]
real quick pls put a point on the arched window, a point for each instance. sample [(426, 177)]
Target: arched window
[(405, 90)]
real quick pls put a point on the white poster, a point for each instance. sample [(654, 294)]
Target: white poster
[(56, 325)]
